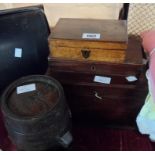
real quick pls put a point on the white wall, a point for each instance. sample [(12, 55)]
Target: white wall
[(76, 10)]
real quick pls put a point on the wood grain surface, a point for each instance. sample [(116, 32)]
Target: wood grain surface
[(110, 30), (66, 40), (94, 54)]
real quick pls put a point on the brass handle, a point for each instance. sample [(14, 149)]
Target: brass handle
[(85, 53)]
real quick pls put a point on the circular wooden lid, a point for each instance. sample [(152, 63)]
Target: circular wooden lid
[(34, 102)]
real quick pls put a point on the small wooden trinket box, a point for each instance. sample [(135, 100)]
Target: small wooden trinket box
[(87, 39)]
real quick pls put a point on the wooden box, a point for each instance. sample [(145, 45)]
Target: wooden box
[(87, 39), (116, 103)]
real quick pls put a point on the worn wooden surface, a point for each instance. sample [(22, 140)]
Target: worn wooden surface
[(80, 78), (32, 118), (33, 103), (93, 54), (86, 43), (132, 65), (119, 102), (66, 40), (72, 29), (95, 67), (118, 112), (112, 91)]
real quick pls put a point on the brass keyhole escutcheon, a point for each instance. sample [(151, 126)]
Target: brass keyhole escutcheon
[(85, 53)]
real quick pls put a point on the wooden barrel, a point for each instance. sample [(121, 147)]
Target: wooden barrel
[(36, 114)]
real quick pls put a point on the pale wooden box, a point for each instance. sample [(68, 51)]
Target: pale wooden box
[(88, 39)]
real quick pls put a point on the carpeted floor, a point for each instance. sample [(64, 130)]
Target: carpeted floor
[(101, 138), (96, 138), (86, 138)]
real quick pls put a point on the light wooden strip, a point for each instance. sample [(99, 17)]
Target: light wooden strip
[(95, 54)]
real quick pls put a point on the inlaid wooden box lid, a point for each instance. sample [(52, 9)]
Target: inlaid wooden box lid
[(91, 39)]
